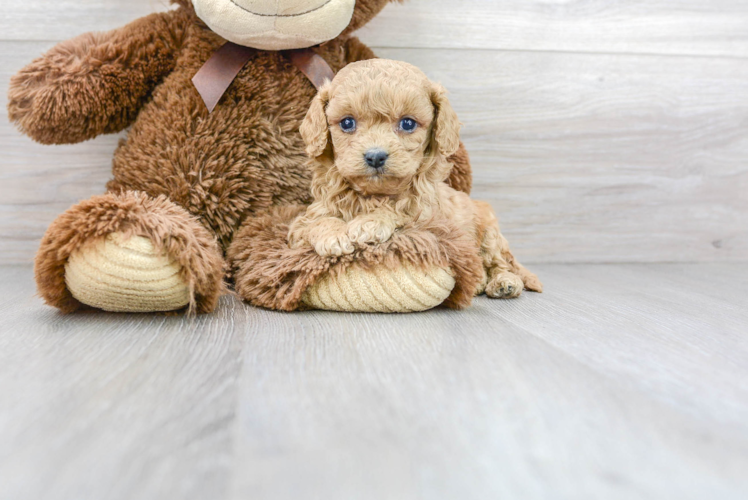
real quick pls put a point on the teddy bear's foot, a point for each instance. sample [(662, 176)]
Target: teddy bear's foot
[(505, 286), (129, 252), (126, 274), (381, 289)]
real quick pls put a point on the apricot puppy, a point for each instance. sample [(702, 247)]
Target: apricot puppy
[(380, 136)]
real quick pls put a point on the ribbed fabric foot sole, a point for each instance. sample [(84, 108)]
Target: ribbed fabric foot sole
[(383, 290), (119, 275)]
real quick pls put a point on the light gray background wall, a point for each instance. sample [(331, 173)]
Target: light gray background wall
[(600, 131)]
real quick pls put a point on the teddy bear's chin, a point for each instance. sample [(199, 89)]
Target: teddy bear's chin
[(276, 25)]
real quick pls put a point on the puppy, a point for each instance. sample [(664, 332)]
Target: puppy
[(380, 135)]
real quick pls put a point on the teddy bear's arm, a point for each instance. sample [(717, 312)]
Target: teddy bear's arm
[(95, 83)]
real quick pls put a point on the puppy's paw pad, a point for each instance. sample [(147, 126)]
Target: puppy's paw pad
[(505, 286)]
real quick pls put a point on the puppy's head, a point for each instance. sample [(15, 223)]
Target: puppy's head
[(381, 125)]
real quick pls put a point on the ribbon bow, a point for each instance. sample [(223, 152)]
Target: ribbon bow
[(217, 74)]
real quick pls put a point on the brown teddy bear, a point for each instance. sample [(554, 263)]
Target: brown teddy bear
[(185, 178)]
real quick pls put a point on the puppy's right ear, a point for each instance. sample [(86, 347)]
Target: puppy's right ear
[(315, 130)]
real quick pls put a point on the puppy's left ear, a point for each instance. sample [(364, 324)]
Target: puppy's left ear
[(446, 132), (314, 129)]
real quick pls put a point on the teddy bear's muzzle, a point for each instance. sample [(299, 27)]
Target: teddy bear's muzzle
[(280, 8), (276, 24)]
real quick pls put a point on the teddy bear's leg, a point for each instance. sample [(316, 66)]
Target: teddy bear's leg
[(129, 252)]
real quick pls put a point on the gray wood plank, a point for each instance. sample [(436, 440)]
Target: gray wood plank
[(718, 27), (592, 390), (620, 382), (97, 406), (38, 20), (586, 157)]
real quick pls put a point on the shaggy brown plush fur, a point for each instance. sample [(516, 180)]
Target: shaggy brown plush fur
[(270, 274), (168, 226), (243, 158)]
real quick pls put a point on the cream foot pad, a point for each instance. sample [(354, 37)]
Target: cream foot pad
[(118, 275), (381, 289)]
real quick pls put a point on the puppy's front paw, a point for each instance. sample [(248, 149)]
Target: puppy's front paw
[(295, 239), (505, 286), (333, 245), (369, 230)]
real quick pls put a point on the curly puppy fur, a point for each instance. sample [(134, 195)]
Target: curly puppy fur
[(381, 135), (220, 167)]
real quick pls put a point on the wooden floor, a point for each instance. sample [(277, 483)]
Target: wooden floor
[(620, 382)]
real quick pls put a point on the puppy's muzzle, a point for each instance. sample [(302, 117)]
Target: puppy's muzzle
[(376, 158)]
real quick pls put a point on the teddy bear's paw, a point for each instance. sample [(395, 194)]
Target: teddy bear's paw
[(505, 286), (126, 274), (381, 289), (364, 230), (333, 245)]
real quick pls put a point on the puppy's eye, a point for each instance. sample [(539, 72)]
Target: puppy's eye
[(408, 125), (348, 125)]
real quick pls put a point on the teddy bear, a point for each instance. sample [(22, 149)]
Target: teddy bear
[(188, 174)]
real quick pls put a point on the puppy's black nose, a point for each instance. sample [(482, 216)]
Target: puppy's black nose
[(376, 158)]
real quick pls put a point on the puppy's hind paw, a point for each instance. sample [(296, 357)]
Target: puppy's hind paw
[(505, 286), (532, 282), (334, 245)]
